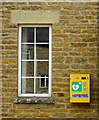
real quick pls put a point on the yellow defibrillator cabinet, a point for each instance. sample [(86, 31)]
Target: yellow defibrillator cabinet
[(79, 88)]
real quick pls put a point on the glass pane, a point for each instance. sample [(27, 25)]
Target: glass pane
[(42, 68), (27, 52), (39, 89), (28, 34), (43, 81), (42, 34), (27, 68), (42, 52), (27, 85)]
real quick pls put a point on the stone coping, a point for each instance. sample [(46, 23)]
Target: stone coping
[(34, 100)]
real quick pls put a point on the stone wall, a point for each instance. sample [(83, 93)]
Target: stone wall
[(98, 60), (1, 60), (74, 50)]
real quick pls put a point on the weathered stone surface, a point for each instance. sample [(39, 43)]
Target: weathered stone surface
[(42, 16), (34, 100)]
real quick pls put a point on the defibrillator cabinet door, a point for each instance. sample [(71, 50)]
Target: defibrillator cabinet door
[(79, 88)]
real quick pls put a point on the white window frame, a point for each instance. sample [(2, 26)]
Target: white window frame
[(19, 62)]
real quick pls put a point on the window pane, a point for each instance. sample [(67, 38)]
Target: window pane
[(39, 89), (43, 80), (42, 52), (27, 52), (42, 68), (42, 83), (42, 34), (27, 85), (27, 69), (28, 34)]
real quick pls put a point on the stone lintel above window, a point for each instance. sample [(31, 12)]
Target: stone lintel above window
[(38, 17), (34, 100)]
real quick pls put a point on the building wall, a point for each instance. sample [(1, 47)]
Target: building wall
[(74, 50), (98, 61), (1, 60)]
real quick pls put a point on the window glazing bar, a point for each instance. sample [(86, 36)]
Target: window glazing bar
[(33, 77), (34, 60), (34, 43)]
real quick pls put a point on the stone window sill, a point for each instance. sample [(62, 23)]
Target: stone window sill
[(34, 100)]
